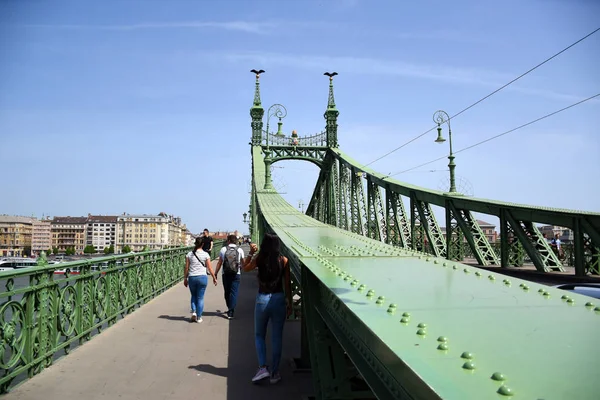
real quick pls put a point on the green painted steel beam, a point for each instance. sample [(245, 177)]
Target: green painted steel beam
[(462, 326)]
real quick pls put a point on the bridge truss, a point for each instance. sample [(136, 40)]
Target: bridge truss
[(358, 244)]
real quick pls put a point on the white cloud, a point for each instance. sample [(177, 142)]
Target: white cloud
[(243, 26)]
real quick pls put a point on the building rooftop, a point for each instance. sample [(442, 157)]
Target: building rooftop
[(69, 220), (16, 219), (101, 218)]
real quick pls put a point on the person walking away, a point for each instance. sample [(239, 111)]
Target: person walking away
[(207, 241), (273, 302), (231, 258), (197, 263)]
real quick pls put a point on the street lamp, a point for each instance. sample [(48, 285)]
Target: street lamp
[(440, 117), (279, 111), (245, 220)]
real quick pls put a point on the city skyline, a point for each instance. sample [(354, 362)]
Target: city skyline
[(119, 107)]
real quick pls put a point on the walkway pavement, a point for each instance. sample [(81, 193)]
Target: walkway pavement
[(156, 353)]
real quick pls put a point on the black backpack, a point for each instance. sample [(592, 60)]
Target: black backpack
[(231, 264)]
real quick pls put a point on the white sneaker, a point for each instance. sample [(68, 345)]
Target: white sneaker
[(199, 320), (261, 374)]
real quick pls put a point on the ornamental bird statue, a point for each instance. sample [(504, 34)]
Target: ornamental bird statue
[(260, 71), (330, 74)]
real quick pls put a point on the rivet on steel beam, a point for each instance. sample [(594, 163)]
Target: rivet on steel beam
[(525, 287), (470, 365), (589, 304), (422, 325), (427, 259), (354, 282), (541, 291), (498, 376), (370, 293), (421, 332), (491, 277), (505, 391), (380, 300), (347, 277), (477, 273), (362, 287), (444, 264), (564, 297), (406, 314), (506, 282), (442, 339), (597, 309), (546, 294), (443, 346), (391, 309), (467, 355), (570, 301), (436, 262), (466, 270)]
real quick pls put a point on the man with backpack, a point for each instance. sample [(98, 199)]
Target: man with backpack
[(231, 258)]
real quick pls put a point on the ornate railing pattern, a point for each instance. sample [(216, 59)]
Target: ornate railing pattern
[(47, 310), (317, 140)]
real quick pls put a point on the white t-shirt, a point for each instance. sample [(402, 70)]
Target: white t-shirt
[(197, 268), (240, 256)]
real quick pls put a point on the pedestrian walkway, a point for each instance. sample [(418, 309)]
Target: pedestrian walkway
[(156, 353)]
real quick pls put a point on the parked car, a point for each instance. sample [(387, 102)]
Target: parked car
[(586, 289)]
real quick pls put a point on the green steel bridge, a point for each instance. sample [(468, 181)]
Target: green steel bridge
[(379, 290)]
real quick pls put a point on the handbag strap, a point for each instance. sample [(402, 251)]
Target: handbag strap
[(194, 253)]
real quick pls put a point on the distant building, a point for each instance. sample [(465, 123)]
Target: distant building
[(101, 231), (15, 235), (565, 234), (489, 231), (41, 238), (69, 232), (139, 231)]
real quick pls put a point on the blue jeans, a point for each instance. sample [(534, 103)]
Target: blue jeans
[(269, 306), (197, 285), (231, 284)]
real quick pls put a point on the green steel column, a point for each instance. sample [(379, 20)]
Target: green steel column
[(331, 114), (578, 248), (504, 246)]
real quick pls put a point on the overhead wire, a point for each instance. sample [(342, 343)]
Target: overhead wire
[(486, 97), (499, 135)]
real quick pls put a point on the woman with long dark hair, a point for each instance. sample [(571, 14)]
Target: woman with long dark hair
[(197, 262), (273, 302)]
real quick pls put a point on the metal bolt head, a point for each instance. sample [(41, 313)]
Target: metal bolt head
[(498, 376), (505, 391), (443, 346), (469, 365), (467, 355)]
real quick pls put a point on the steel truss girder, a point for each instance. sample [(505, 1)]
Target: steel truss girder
[(315, 155), (481, 247), (586, 247), (344, 197), (334, 198), (358, 212), (375, 213), (397, 226), (454, 236), (424, 225), (535, 244)]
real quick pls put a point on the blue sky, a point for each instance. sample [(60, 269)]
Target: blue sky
[(142, 107)]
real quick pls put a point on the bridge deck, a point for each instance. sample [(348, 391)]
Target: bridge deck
[(155, 353), (543, 345)]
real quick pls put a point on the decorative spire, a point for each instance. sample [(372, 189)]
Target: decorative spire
[(331, 100), (331, 114), (257, 111), (257, 87)]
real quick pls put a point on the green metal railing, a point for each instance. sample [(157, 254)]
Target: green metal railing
[(47, 310)]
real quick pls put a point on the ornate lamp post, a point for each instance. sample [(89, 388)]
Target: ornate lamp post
[(440, 117), (279, 111), (245, 215)]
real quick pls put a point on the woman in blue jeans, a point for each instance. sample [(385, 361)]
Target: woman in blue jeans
[(197, 262), (273, 302)]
